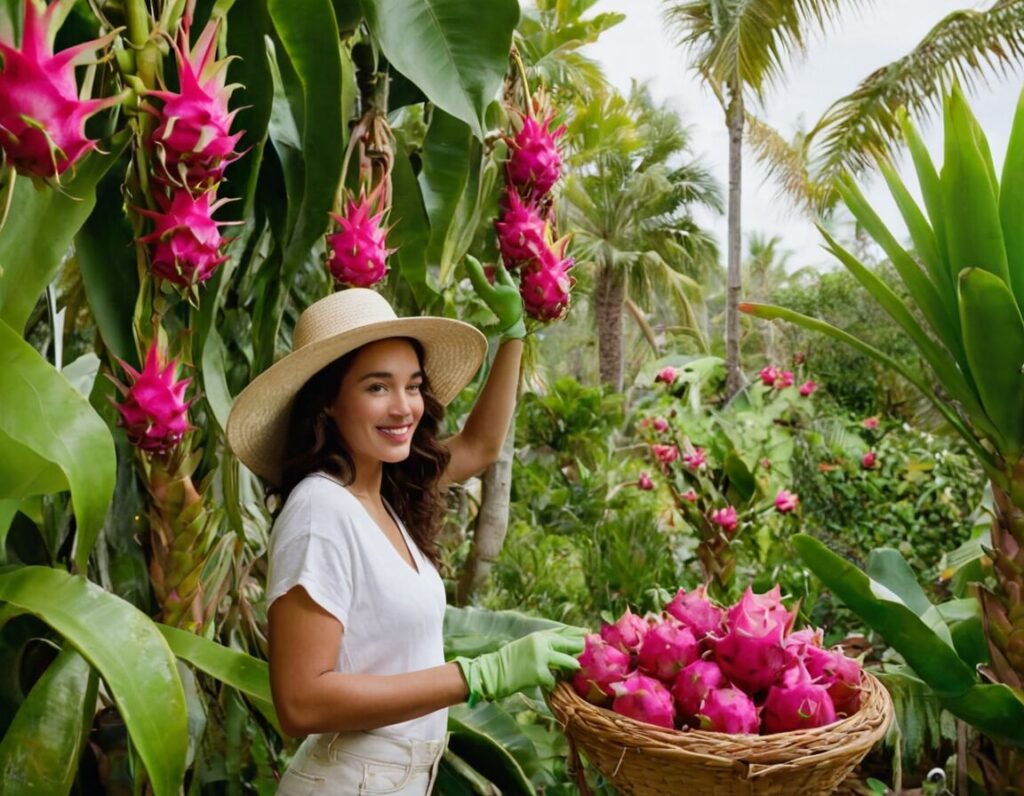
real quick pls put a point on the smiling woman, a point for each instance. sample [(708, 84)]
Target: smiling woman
[(345, 429)]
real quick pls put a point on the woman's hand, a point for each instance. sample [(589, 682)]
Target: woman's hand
[(502, 298), (523, 663)]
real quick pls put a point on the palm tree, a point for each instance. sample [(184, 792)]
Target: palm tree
[(628, 205), (739, 49)]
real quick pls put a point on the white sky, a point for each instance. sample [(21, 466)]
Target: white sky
[(868, 37)]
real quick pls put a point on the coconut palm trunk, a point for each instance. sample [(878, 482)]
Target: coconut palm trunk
[(734, 279), (609, 299)]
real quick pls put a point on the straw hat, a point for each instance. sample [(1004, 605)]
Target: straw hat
[(328, 329)]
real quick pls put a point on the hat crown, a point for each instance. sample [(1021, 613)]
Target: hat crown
[(339, 313)]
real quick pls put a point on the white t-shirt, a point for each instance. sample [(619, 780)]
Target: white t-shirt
[(326, 542)]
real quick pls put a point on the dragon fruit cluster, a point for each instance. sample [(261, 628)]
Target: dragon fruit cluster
[(42, 119), (190, 148), (524, 225), (740, 669)]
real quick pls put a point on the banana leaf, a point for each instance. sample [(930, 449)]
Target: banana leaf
[(475, 631)]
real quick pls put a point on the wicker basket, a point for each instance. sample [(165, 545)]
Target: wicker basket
[(643, 760)]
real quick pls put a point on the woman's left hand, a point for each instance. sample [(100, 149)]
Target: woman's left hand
[(502, 298)]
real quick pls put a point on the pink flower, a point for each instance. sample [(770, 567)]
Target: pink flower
[(768, 376), (689, 495), (666, 454), (870, 423), (785, 379), (660, 424), (696, 459), (644, 482), (667, 374), (869, 460), (726, 518), (786, 501), (808, 388)]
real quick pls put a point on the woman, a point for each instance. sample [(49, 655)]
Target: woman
[(346, 427)]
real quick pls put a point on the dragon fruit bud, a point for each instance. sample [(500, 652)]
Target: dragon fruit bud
[(694, 683), (627, 632), (752, 653), (193, 140), (667, 647), (786, 501), (695, 460), (660, 424), (154, 413), (666, 454), (728, 710), (186, 240), (42, 119), (768, 376), (696, 611), (535, 163), (644, 699), (601, 664), (644, 482), (667, 375), (357, 253), (521, 231), (546, 283), (798, 703), (726, 518)]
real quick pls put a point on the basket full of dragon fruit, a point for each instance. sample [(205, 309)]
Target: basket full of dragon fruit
[(723, 700)]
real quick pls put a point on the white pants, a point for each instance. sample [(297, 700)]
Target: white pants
[(351, 763)]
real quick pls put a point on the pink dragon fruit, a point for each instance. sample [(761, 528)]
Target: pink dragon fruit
[(193, 140), (42, 120), (601, 664), (644, 699), (786, 501), (627, 633), (808, 388), (186, 240), (752, 653), (695, 460), (696, 611), (694, 683), (521, 231), (357, 253), (869, 460), (660, 424), (154, 413), (768, 376), (546, 283), (666, 454), (667, 375), (797, 703), (785, 379), (728, 710), (839, 674), (644, 482), (667, 647), (535, 163), (725, 518)]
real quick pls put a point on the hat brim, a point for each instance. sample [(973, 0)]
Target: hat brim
[(257, 426)]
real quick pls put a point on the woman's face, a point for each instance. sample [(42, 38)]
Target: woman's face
[(379, 403)]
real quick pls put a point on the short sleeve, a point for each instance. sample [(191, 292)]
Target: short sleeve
[(305, 553)]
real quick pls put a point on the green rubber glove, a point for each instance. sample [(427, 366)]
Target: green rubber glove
[(502, 298), (521, 664)]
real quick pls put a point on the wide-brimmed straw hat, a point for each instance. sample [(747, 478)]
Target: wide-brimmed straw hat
[(258, 424)]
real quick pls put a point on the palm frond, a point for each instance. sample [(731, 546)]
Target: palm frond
[(788, 164), (965, 46)]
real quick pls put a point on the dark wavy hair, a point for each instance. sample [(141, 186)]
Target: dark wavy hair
[(409, 486)]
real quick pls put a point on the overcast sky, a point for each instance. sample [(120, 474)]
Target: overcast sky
[(642, 48)]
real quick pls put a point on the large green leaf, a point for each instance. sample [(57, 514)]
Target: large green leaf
[(411, 231), (443, 177), (475, 631), (127, 650), (973, 232), (887, 567), (993, 333), (1011, 203), (39, 229), (931, 191), (490, 738), (40, 750), (456, 51), (49, 421)]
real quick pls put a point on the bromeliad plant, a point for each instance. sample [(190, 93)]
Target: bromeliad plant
[(964, 278)]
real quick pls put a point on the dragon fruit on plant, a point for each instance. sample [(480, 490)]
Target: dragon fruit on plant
[(601, 664), (546, 283), (696, 611), (154, 412), (797, 703), (728, 710), (521, 231), (694, 683), (186, 241), (42, 119), (626, 633), (667, 647), (193, 140), (645, 699), (535, 163), (357, 253)]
